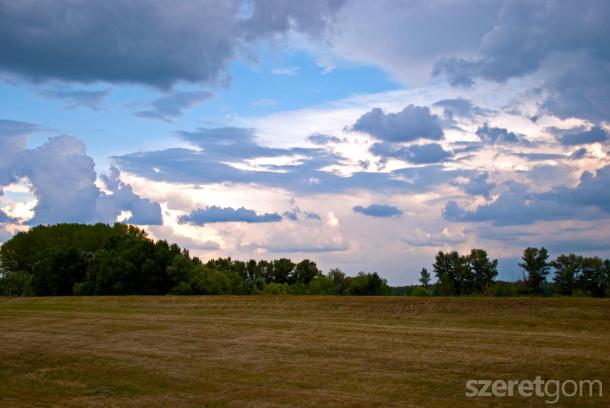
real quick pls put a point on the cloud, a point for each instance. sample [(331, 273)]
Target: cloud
[(418, 153), (378, 210), (75, 98), (578, 154), (62, 177), (174, 105), (296, 214), (539, 156), (320, 139), (232, 143), (153, 42), (477, 185), (566, 41), (412, 123), (215, 214), (308, 176), (460, 107), (590, 199), (593, 135), (13, 140), (143, 211), (493, 135)]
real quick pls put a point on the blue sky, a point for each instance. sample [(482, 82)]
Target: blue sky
[(363, 135)]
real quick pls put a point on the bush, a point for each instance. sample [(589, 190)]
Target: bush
[(421, 291), (275, 289)]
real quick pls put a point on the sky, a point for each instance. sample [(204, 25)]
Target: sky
[(361, 134)]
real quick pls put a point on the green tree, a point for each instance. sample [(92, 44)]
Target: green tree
[(483, 269), (535, 264), (594, 276), (424, 277), (567, 273), (304, 272), (282, 270)]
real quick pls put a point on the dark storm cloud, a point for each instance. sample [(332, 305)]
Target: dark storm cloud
[(154, 42), (216, 214), (412, 123), (590, 199), (378, 210), (172, 106)]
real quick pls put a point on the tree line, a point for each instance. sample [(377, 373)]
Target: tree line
[(475, 274), (78, 259)]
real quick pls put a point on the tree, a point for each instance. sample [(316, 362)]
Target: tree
[(282, 269), (483, 269), (304, 272), (594, 277), (337, 277), (537, 268), (424, 277), (368, 284), (567, 273), (444, 270)]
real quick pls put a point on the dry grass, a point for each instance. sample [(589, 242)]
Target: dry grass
[(293, 351)]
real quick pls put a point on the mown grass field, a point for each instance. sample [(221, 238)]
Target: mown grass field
[(294, 351)]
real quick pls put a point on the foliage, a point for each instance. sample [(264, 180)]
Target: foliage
[(535, 264), (100, 259), (464, 274)]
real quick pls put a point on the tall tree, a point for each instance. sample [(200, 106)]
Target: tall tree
[(594, 277), (535, 264), (484, 270), (424, 277), (567, 272)]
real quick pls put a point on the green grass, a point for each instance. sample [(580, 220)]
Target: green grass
[(294, 351)]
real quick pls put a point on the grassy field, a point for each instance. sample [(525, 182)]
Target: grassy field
[(294, 351)]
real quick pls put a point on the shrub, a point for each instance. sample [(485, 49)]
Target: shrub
[(421, 291)]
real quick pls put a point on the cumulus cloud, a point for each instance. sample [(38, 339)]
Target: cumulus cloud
[(172, 106), (123, 198), (156, 42), (216, 214), (379, 210), (495, 135), (590, 199), (412, 123), (62, 177)]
